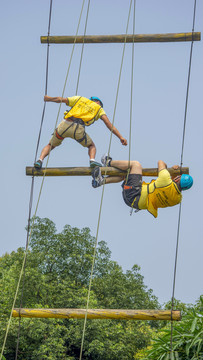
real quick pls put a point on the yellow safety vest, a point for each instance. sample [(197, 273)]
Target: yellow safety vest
[(84, 109), (163, 197)]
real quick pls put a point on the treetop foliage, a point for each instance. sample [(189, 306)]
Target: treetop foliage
[(57, 275)]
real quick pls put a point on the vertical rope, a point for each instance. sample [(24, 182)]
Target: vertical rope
[(181, 163), (131, 98), (31, 227), (119, 79), (81, 57), (46, 81), (188, 85), (102, 196), (32, 182), (26, 247), (131, 91)]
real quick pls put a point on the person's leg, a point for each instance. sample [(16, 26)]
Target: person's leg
[(99, 179), (45, 151), (54, 141), (135, 166), (113, 179), (92, 154), (92, 151), (79, 134)]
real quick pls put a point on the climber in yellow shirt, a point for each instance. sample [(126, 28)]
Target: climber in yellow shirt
[(160, 193), (83, 112)]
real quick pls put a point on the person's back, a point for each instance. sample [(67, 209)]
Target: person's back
[(159, 193), (85, 109)]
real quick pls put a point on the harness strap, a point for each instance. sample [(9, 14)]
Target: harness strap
[(134, 201), (126, 187), (84, 136), (58, 136), (132, 208), (67, 129), (75, 121)]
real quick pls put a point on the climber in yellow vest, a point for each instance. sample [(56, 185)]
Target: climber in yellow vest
[(83, 112), (160, 193)]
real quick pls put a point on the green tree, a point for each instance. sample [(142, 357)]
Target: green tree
[(187, 338), (57, 276)]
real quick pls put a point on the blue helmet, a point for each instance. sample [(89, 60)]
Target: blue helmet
[(93, 98), (186, 182)]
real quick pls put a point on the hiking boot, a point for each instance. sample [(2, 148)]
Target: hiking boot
[(106, 160), (98, 179), (94, 164), (38, 164)]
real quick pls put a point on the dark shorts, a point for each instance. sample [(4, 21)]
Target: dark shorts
[(132, 190)]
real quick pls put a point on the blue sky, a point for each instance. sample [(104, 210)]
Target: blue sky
[(160, 80)]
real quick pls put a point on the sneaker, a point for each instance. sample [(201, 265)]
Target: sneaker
[(106, 160), (38, 164), (98, 179), (94, 164)]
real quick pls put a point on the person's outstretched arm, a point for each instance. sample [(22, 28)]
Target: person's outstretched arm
[(56, 99), (115, 131)]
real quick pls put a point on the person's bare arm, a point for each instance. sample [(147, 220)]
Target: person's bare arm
[(175, 167), (161, 165), (56, 99), (115, 131)]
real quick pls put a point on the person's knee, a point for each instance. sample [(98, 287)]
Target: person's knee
[(135, 166), (51, 147), (92, 145)]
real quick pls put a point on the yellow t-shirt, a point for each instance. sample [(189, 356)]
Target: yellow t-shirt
[(166, 196), (73, 99)]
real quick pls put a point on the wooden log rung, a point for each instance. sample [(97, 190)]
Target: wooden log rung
[(116, 314), (130, 38), (87, 171)]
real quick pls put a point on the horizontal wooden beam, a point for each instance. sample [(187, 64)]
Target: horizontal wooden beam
[(137, 38), (118, 314), (86, 171)]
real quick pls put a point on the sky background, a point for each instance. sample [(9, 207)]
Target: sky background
[(160, 82)]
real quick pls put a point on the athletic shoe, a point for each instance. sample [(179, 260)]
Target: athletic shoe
[(98, 179), (106, 160), (38, 164), (94, 164)]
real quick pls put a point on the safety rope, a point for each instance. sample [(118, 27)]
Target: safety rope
[(32, 181), (102, 196), (30, 209), (81, 56), (39, 196), (181, 164), (29, 231), (131, 94)]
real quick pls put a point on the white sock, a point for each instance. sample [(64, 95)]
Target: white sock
[(92, 159)]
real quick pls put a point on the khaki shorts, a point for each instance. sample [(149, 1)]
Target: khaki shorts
[(69, 129)]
